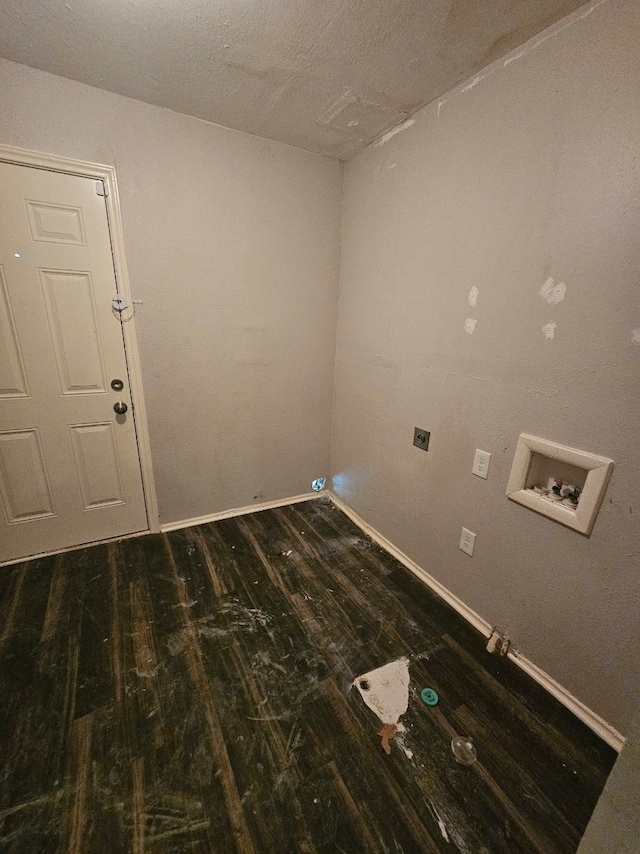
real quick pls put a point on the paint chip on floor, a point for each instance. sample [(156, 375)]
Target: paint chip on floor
[(386, 734)]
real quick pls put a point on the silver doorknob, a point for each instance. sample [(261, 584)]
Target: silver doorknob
[(120, 408)]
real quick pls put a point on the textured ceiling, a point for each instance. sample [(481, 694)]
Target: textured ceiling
[(325, 75)]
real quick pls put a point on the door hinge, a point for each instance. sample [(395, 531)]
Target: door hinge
[(101, 188)]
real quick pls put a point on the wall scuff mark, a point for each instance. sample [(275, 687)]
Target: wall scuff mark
[(513, 58), (473, 83), (549, 329), (470, 325), (532, 45), (394, 130), (473, 295), (570, 22)]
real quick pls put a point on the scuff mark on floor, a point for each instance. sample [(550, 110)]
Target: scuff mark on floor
[(449, 830), (400, 741), (441, 824), (149, 673), (229, 618)]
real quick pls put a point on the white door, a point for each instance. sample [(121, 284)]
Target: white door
[(69, 465)]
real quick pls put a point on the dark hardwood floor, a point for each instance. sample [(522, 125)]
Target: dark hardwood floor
[(190, 692)]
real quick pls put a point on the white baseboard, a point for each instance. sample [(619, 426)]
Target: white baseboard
[(599, 726), (236, 511), (606, 732)]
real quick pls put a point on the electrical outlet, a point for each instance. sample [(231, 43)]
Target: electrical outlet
[(481, 463), (467, 541), (421, 438)]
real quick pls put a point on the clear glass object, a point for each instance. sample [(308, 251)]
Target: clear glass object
[(464, 749)]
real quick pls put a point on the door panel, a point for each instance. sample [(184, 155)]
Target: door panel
[(96, 457), (71, 313), (13, 382), (56, 224), (69, 467), (23, 477)]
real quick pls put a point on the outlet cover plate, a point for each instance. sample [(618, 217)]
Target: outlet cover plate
[(467, 541), (421, 438), (481, 463)]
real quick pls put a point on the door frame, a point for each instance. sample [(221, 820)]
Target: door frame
[(107, 174)]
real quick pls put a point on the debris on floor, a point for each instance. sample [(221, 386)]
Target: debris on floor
[(386, 734), (464, 750), (386, 692), (429, 697)]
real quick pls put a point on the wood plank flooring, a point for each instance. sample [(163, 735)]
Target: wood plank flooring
[(190, 692)]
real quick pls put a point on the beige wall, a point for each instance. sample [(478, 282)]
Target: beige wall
[(232, 244), (530, 173)]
